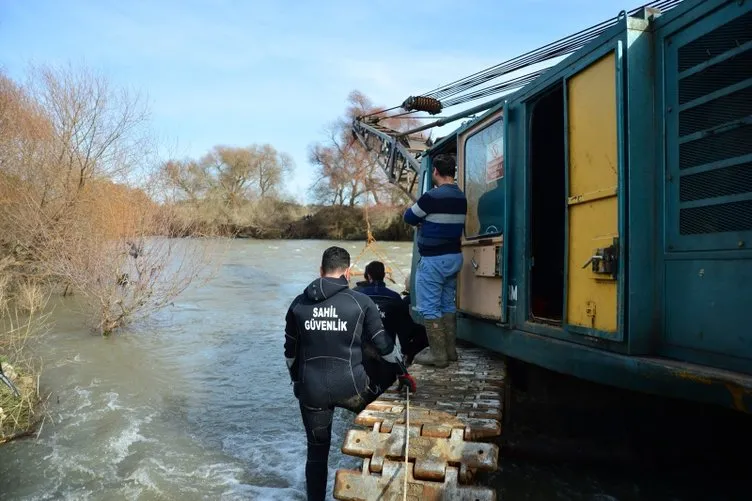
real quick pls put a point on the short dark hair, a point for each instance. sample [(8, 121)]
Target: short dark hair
[(375, 271), (444, 164), (335, 258)]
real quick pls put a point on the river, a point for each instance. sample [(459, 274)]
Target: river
[(195, 403)]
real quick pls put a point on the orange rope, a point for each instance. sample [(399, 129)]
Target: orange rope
[(372, 245)]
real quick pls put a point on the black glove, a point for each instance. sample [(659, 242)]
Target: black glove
[(296, 389)]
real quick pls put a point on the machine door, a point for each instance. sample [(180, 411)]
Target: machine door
[(594, 250), (481, 175)]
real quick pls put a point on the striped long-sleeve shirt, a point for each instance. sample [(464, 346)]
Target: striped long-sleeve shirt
[(442, 212)]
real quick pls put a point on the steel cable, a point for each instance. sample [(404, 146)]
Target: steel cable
[(558, 48)]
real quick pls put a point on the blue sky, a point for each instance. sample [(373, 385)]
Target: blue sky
[(243, 72)]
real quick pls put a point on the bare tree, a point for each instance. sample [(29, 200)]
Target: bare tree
[(235, 174), (189, 177), (71, 145), (343, 169), (346, 173), (76, 128), (98, 130), (271, 167)]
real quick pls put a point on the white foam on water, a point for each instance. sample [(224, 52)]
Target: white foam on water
[(112, 399), (120, 444), (85, 396), (62, 362), (82, 494), (212, 477), (64, 462), (141, 482), (264, 494)]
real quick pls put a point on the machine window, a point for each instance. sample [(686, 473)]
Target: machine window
[(484, 181)]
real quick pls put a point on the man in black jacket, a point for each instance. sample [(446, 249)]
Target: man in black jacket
[(393, 317), (395, 314), (325, 328)]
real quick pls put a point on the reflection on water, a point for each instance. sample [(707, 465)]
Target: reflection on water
[(196, 403)]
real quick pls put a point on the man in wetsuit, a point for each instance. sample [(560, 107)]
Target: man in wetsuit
[(325, 328)]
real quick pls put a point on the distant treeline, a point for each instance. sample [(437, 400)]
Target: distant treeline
[(276, 219)]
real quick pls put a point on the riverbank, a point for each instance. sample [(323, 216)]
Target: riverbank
[(20, 400), (18, 411), (280, 220)]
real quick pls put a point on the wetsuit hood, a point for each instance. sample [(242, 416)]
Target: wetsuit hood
[(325, 287)]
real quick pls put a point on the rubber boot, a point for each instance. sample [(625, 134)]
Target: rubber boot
[(435, 354), (450, 328)]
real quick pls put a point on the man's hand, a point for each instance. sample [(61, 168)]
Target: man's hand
[(296, 390), (409, 381)]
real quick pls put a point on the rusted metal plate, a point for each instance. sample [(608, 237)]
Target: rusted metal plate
[(467, 394), (454, 408), (435, 422), (354, 485), (431, 454)]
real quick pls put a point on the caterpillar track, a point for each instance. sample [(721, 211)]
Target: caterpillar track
[(453, 416)]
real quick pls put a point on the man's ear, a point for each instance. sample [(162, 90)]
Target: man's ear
[(348, 273), (321, 270)]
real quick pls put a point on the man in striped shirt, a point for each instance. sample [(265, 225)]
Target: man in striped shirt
[(439, 215)]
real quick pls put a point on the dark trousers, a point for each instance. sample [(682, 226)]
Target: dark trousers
[(417, 341), (381, 374), (318, 427)]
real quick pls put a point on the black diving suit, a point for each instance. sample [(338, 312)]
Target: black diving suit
[(325, 329)]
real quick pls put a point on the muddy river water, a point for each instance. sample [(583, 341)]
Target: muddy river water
[(195, 403)]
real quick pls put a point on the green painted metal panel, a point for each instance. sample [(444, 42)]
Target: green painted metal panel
[(707, 303), (646, 374), (506, 222), (707, 185), (642, 277)]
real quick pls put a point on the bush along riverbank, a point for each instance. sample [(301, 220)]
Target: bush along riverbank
[(274, 219), (20, 323), (18, 404)]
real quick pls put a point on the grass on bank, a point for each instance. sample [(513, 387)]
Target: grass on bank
[(21, 319)]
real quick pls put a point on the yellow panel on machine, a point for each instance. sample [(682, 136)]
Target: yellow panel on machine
[(592, 198)]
